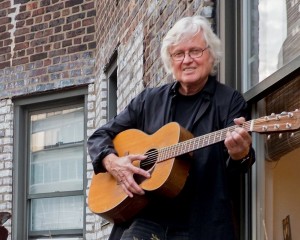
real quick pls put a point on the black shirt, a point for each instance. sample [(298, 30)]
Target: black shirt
[(185, 106)]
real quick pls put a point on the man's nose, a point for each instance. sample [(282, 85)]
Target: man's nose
[(187, 57)]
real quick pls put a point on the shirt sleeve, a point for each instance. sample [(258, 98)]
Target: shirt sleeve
[(100, 143)]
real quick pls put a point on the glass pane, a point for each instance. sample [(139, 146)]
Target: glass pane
[(274, 36), (57, 128), (57, 213), (56, 156), (280, 193), (282, 209), (56, 170)]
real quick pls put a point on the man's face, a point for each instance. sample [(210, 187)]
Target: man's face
[(191, 71)]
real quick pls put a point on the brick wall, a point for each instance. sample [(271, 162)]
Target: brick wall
[(45, 45), (6, 152)]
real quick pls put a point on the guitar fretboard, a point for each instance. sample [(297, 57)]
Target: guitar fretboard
[(197, 142)]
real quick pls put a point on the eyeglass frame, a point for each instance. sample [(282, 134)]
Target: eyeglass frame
[(183, 56)]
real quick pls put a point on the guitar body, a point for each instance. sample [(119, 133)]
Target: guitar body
[(106, 197)]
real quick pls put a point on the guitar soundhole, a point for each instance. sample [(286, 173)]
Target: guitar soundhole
[(147, 164)]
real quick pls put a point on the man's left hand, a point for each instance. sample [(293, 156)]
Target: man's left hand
[(238, 142)]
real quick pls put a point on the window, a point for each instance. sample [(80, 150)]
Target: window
[(261, 59), (271, 35), (50, 166), (112, 94), (112, 80), (278, 168)]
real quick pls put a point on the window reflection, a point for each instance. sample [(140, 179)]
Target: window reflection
[(56, 165), (56, 151), (274, 37), (57, 213)]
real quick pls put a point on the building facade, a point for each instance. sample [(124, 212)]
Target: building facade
[(66, 67)]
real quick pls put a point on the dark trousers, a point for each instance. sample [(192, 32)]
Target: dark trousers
[(142, 229)]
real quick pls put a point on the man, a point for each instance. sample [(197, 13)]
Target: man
[(203, 209)]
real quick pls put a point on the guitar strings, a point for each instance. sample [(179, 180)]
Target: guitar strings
[(202, 141), (164, 153)]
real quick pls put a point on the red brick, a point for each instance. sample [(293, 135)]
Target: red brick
[(2, 28), (38, 56), (47, 17), (23, 16), (79, 48), (21, 46), (4, 50), (21, 31), (87, 6), (67, 43), (38, 12), (5, 20), (4, 35), (57, 53), (20, 24), (72, 3), (5, 5), (55, 7), (20, 61), (20, 39), (31, 6), (4, 64), (29, 22)]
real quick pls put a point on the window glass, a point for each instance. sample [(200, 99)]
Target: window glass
[(280, 177), (273, 37), (56, 156), (56, 151), (57, 213)]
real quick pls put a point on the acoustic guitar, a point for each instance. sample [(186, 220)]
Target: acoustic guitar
[(164, 150)]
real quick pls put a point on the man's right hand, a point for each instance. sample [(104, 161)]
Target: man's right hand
[(122, 169)]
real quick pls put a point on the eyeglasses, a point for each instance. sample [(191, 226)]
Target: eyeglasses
[(194, 53)]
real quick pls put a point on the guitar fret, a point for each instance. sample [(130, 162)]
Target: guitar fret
[(199, 142)]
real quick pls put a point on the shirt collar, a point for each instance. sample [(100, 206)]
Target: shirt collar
[(209, 87)]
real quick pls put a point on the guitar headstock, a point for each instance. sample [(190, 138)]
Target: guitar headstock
[(283, 122)]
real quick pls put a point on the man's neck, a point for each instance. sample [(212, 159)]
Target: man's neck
[(191, 89)]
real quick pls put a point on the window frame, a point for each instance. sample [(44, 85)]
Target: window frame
[(111, 74), (22, 107), (230, 73), (112, 87)]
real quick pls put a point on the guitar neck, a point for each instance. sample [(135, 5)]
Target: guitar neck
[(286, 121), (198, 142)]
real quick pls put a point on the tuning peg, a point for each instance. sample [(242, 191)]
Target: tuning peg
[(280, 135), (292, 135), (297, 110), (284, 113), (290, 114), (269, 137)]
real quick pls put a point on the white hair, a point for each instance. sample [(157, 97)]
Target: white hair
[(185, 28)]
